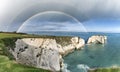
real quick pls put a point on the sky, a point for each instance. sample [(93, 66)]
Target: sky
[(88, 15)]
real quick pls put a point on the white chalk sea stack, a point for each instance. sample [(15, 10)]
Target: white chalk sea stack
[(97, 39)]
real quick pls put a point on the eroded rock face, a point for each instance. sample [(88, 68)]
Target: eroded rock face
[(44, 53), (97, 39), (78, 42), (33, 52)]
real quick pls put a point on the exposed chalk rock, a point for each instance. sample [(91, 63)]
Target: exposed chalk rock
[(97, 39), (45, 53), (78, 42)]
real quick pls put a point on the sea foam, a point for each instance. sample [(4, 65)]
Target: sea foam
[(83, 67), (64, 69)]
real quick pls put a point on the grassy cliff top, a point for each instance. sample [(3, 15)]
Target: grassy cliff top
[(63, 40), (23, 35), (12, 35)]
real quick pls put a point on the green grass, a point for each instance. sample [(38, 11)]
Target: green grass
[(63, 40), (15, 35), (7, 65), (106, 70)]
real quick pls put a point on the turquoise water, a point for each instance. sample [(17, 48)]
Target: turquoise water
[(95, 56), (92, 56)]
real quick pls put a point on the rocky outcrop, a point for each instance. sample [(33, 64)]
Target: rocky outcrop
[(97, 39), (75, 43), (45, 53)]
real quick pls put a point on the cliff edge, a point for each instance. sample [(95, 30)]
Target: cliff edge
[(45, 52)]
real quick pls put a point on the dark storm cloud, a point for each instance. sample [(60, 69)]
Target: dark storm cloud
[(15, 12)]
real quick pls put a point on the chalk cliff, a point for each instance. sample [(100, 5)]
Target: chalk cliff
[(46, 52)]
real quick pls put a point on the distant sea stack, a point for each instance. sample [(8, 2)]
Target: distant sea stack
[(97, 39), (46, 52)]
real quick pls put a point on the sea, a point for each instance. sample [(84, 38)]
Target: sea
[(91, 56)]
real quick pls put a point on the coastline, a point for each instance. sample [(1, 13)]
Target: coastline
[(45, 36)]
